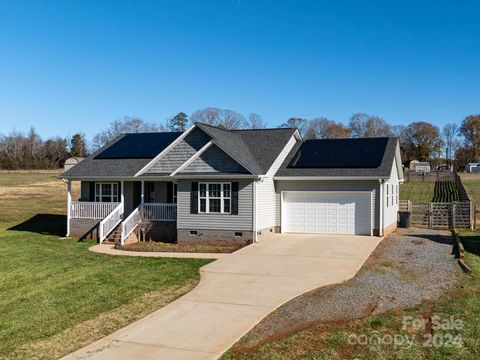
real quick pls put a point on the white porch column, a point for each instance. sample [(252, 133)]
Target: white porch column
[(69, 205), (122, 195), (142, 196)]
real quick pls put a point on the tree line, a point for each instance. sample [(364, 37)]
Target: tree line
[(454, 144), (29, 151)]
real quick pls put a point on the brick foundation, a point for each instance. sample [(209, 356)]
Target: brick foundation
[(84, 228), (165, 231), (184, 236)]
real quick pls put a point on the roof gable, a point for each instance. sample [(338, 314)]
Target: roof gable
[(212, 161), (180, 153), (255, 149)]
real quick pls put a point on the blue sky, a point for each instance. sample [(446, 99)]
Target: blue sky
[(76, 66)]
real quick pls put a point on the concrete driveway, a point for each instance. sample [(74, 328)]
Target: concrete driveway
[(235, 293)]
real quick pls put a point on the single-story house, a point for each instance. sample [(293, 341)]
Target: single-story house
[(208, 184), (472, 167)]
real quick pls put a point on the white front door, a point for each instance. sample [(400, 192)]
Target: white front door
[(327, 212)]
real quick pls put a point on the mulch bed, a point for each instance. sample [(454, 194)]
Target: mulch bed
[(186, 248)]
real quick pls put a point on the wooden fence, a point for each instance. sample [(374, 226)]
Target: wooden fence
[(450, 215), (432, 176), (444, 215)]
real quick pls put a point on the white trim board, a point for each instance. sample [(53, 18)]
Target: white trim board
[(165, 151), (193, 158)]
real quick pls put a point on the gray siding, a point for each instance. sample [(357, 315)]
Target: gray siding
[(215, 160), (180, 153), (314, 185), (84, 191), (128, 196), (160, 192), (242, 221)]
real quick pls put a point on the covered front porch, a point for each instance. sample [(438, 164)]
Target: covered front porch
[(115, 208)]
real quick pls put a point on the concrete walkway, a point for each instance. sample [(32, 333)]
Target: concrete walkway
[(235, 293)]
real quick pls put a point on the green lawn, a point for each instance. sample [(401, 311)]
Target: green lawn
[(417, 192), (331, 340), (473, 190), (55, 295)]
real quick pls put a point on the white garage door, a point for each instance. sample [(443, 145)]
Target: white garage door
[(327, 212)]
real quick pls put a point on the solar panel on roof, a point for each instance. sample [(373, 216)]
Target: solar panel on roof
[(139, 146), (340, 153)]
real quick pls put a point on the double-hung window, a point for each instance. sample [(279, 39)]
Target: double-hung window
[(214, 198), (106, 192)]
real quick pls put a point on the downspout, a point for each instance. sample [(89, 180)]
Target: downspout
[(380, 232), (69, 204), (255, 237)]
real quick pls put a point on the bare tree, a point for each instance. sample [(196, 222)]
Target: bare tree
[(209, 116), (223, 118), (145, 224), (122, 126), (298, 123), (254, 121), (449, 136), (364, 125), (323, 128), (231, 120)]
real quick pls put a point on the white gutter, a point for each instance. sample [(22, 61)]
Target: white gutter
[(219, 176), (329, 177), (380, 231), (255, 236)]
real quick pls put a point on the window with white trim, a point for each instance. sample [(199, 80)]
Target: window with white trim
[(106, 192), (387, 194), (214, 198), (174, 193)]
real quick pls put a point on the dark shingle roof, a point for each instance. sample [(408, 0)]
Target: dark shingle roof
[(349, 168), (95, 166), (257, 149)]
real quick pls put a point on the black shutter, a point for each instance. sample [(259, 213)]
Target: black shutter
[(194, 198), (169, 192), (234, 198), (91, 192)]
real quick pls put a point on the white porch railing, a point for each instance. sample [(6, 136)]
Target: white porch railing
[(109, 223), (130, 223), (91, 210), (160, 211)]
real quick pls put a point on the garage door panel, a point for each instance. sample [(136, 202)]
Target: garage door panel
[(321, 212)]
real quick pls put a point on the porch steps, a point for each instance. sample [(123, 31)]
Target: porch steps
[(115, 236)]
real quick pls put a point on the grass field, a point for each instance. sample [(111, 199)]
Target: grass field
[(330, 340), (417, 192), (55, 295)]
